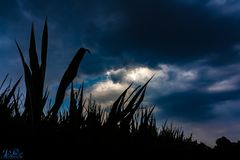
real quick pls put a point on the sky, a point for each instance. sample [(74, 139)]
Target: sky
[(192, 47)]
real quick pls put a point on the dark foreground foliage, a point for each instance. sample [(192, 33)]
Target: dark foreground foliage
[(86, 130)]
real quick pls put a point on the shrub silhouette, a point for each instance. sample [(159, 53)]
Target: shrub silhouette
[(126, 129)]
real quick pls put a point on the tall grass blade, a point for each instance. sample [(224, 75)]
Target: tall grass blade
[(44, 49), (130, 106), (28, 83), (33, 53), (116, 107), (16, 104), (11, 93), (3, 81), (72, 107), (67, 78), (127, 119), (80, 102), (132, 93)]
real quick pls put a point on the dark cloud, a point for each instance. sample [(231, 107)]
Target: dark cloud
[(193, 105), (135, 31), (164, 31)]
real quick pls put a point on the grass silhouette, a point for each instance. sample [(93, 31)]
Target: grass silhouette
[(86, 129)]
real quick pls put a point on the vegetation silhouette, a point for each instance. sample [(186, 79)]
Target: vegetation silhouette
[(86, 129)]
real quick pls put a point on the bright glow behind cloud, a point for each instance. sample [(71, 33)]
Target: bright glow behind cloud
[(167, 79)]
